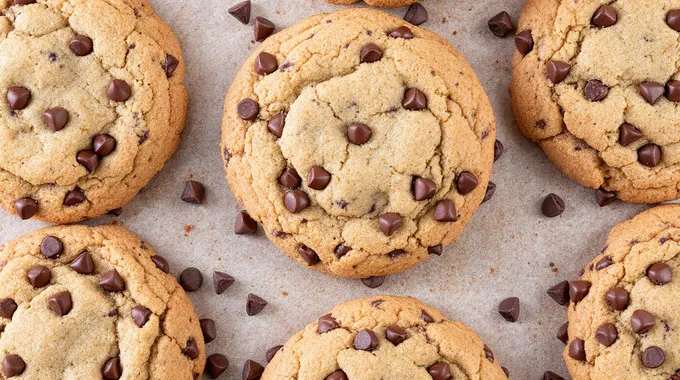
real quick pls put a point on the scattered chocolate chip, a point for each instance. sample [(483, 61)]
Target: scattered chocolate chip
[(194, 192), (617, 298), (466, 183), (140, 315), (560, 293), (252, 370), (402, 32), (445, 211), (642, 321), (248, 109), (653, 357), (370, 53), (88, 159), (660, 273), (161, 263), (265, 63), (416, 14), (74, 197), (308, 255), (365, 340), (552, 206), (222, 281), (118, 91), (435, 250), (263, 28), (296, 201), (652, 92), (509, 309), (557, 71), (170, 65), (389, 223), (241, 12), (488, 353), (209, 329), (39, 276), (7, 308), (498, 150), (577, 349), (112, 282), (276, 124), (269, 355), (605, 16), (55, 118), (337, 375), (51, 247), (578, 290), (341, 250), (319, 178), (490, 190), (191, 349), (423, 189), (244, 224), (595, 90), (18, 97), (373, 282), (607, 334), (440, 371), (501, 24), (395, 334), (524, 42), (563, 333), (254, 304), (191, 279), (13, 365), (103, 144), (549, 375), (603, 263), (358, 133), (290, 178), (216, 364), (81, 45), (604, 197), (326, 323), (414, 100)]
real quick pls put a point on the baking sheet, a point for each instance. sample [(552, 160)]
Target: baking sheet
[(509, 248)]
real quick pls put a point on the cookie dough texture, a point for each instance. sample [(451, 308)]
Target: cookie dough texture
[(632, 247), (582, 136), (376, 3), (99, 325), (130, 43), (311, 355), (323, 87)]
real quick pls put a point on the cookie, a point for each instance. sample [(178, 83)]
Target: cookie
[(595, 83), (90, 110), (361, 143), (376, 3), (388, 338), (624, 316), (93, 302)]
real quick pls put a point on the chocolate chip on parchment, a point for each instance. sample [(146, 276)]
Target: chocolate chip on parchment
[(269, 355), (389, 223), (13, 365), (395, 334), (170, 65), (466, 183), (254, 304), (373, 282), (191, 349), (252, 370), (118, 90), (660, 273), (358, 133), (103, 144), (604, 197), (642, 321), (435, 250), (248, 109), (263, 28), (653, 357), (498, 150), (365, 340), (416, 14), (557, 71), (445, 211), (209, 329), (607, 334), (222, 281), (191, 279), (578, 290), (552, 206), (501, 24), (39, 276), (55, 118), (605, 16), (81, 45), (617, 298), (549, 375), (18, 97), (337, 375), (651, 92), (577, 349), (490, 190), (649, 155), (370, 53), (216, 364), (440, 371), (423, 188), (414, 100), (161, 263), (319, 178), (83, 264), (194, 192), (296, 201), (276, 124), (88, 159), (509, 309), (524, 42), (60, 303), (290, 178), (560, 293), (51, 247), (74, 197), (326, 323), (506, 372), (563, 333), (402, 32), (308, 255), (244, 224), (111, 281), (265, 63), (241, 12)]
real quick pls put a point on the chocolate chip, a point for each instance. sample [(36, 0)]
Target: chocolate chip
[(88, 159), (269, 355), (103, 144), (371, 53), (607, 334), (7, 308), (509, 309), (402, 32), (191, 349), (490, 190), (414, 100), (660, 273), (604, 197), (466, 183), (577, 349), (389, 223), (488, 353), (208, 328), (222, 281), (498, 150), (140, 315), (651, 92), (18, 97), (241, 12), (365, 340), (548, 375), (308, 255), (642, 321), (563, 333), (263, 28), (83, 264), (595, 90), (337, 375), (649, 155), (506, 372), (244, 224), (673, 91), (248, 109), (60, 303), (552, 206), (605, 16), (216, 364), (395, 334), (13, 365), (265, 63), (557, 71), (653, 357), (191, 279), (358, 133), (440, 371), (39, 276), (423, 189), (445, 211), (194, 192), (170, 65), (296, 201), (373, 282), (435, 250), (341, 250), (673, 19), (603, 263), (290, 178), (276, 124), (112, 282), (416, 14), (112, 369), (55, 118), (524, 42), (501, 24), (51, 247), (426, 317), (326, 323), (74, 197), (26, 208), (254, 304), (118, 90), (318, 178), (81, 45), (252, 370), (578, 290), (560, 293), (161, 263), (617, 298)]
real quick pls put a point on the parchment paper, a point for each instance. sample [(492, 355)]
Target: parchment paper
[(506, 250)]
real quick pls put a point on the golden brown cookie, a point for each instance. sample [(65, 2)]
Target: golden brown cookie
[(362, 144), (376, 3), (624, 315), (596, 84), (386, 338), (93, 105), (93, 302)]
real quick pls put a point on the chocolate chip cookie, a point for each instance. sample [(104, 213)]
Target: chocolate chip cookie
[(386, 338), (376, 3), (624, 315), (91, 110), (596, 84), (92, 303), (361, 143)]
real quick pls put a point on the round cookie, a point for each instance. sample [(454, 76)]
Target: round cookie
[(595, 83), (93, 302), (362, 144), (90, 110), (376, 3), (624, 315), (387, 338)]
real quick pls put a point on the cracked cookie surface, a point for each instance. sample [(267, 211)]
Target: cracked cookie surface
[(90, 302), (625, 323), (376, 3), (360, 142), (91, 110), (595, 83), (407, 340)]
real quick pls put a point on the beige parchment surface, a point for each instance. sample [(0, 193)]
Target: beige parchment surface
[(507, 249)]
